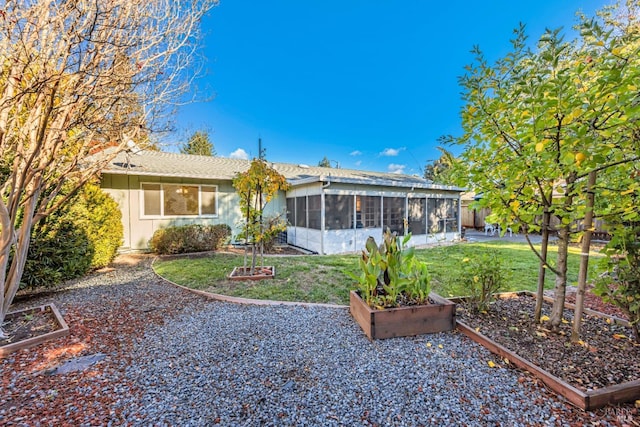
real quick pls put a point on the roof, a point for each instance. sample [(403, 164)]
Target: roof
[(162, 164)]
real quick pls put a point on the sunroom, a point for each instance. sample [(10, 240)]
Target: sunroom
[(337, 215)]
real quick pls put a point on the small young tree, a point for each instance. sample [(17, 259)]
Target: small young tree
[(257, 187)]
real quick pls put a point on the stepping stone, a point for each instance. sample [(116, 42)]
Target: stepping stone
[(77, 364)]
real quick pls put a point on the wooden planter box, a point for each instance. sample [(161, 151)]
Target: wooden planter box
[(242, 273), (403, 321), (587, 400), (61, 330)]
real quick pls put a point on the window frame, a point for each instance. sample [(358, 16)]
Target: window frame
[(162, 206)]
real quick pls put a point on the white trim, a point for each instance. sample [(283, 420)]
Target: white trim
[(163, 216)]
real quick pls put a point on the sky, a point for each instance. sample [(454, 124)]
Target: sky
[(370, 85)]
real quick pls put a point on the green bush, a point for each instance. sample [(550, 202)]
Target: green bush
[(189, 238), (480, 277), (620, 284), (95, 212), (82, 235), (58, 252)]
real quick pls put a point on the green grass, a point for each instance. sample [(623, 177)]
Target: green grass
[(323, 279)]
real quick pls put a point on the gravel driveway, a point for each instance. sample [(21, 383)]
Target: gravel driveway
[(175, 358)]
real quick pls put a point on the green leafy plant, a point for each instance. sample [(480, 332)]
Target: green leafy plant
[(390, 274), (83, 235), (620, 284), (189, 238), (481, 277)]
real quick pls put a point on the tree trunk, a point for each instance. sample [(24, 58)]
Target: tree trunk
[(561, 276), (542, 269), (12, 279), (584, 258)]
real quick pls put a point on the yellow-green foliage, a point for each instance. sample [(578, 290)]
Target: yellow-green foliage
[(99, 215)]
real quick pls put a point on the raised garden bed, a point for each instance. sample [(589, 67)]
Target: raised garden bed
[(439, 316), (602, 369), (259, 273), (32, 326)]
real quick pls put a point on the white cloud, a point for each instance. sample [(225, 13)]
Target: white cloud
[(356, 153), (239, 154), (396, 168), (359, 162), (391, 152)]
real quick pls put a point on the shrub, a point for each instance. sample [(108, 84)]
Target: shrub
[(189, 238), (481, 277), (82, 235), (620, 284), (99, 215), (58, 252)]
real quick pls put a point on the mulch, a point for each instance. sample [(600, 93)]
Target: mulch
[(605, 355)]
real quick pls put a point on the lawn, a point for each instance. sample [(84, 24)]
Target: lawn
[(322, 279)]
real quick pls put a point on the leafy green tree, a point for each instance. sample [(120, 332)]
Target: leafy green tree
[(325, 162), (439, 171), (198, 144), (257, 187), (545, 129)]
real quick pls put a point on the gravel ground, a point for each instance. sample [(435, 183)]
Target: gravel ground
[(175, 358)]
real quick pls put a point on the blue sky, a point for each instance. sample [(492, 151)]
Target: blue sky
[(369, 84)]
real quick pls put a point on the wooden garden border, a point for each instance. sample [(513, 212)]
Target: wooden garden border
[(63, 329), (588, 400), (403, 321)]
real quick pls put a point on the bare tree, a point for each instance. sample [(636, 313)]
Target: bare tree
[(79, 81)]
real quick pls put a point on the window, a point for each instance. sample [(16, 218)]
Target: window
[(417, 216), (314, 212), (451, 224), (291, 210), (301, 211), (443, 215), (367, 211), (338, 212), (393, 215), (171, 200)]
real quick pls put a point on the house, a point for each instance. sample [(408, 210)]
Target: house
[(328, 210)]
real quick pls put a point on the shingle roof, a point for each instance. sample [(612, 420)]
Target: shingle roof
[(155, 163)]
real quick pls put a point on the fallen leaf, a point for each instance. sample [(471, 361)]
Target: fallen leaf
[(565, 321), (440, 346), (544, 318), (491, 364), (619, 336), (428, 344)]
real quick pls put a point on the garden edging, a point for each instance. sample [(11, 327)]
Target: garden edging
[(62, 330), (240, 300), (589, 400)]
